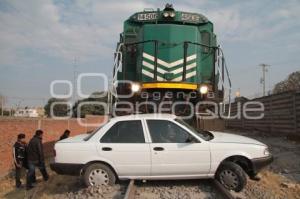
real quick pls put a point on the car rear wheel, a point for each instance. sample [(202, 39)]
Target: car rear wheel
[(98, 174), (231, 176)]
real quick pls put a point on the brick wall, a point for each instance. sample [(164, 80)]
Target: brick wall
[(11, 127)]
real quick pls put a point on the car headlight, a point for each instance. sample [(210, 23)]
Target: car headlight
[(172, 14), (203, 89), (135, 87), (166, 14), (267, 152)]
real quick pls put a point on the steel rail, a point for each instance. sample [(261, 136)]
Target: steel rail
[(131, 190), (224, 192)]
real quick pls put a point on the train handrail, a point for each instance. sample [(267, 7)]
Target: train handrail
[(220, 63), (222, 67)]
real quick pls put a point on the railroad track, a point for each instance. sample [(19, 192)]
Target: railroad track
[(130, 192), (220, 190)]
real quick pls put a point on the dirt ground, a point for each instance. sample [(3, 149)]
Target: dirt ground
[(280, 180), (59, 187)]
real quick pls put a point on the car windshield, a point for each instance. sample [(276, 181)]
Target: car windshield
[(90, 135), (206, 135)]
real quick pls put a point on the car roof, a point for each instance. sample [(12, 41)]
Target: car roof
[(156, 116)]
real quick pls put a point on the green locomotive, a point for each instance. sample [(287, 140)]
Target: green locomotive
[(169, 52)]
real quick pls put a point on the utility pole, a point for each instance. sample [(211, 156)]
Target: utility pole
[(2, 99), (75, 79), (2, 105), (263, 79)]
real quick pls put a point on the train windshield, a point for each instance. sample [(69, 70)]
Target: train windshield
[(205, 135)]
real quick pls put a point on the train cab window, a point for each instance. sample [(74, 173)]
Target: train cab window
[(205, 39)]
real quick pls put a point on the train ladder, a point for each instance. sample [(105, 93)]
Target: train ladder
[(112, 92)]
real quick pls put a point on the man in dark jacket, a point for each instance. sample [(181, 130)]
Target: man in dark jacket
[(19, 154), (35, 158)]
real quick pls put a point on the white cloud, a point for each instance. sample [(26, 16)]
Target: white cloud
[(40, 26), (89, 29), (289, 10), (248, 21)]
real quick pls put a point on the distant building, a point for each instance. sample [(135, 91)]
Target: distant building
[(40, 111), (30, 112)]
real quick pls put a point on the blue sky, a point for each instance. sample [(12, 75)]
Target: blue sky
[(39, 41)]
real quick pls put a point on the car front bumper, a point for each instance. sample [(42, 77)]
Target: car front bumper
[(66, 168), (259, 163)]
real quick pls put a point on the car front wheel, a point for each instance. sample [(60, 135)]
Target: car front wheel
[(98, 174), (231, 176)]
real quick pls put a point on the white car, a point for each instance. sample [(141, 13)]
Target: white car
[(159, 146)]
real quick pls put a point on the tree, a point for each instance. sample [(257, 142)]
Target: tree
[(59, 110), (292, 83), (89, 108)]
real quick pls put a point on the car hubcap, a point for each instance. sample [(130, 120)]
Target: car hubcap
[(98, 177), (229, 179)]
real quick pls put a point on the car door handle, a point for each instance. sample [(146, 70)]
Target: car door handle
[(158, 149), (106, 149)]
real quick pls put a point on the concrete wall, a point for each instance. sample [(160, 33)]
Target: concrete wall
[(11, 127)]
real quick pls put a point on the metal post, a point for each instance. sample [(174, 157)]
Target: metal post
[(271, 112), (263, 80), (2, 105), (74, 79), (223, 68), (155, 59), (185, 47)]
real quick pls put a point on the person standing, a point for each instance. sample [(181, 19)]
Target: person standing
[(65, 135), (35, 158), (19, 155)]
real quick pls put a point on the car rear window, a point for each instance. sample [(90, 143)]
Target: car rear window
[(125, 132)]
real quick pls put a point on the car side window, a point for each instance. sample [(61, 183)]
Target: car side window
[(125, 132), (163, 131)]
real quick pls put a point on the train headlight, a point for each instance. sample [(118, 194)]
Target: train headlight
[(135, 87), (203, 89), (166, 14), (172, 14)]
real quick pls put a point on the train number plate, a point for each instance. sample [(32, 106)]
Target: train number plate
[(190, 17), (147, 16)]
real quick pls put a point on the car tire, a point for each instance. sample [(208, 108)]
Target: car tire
[(231, 176), (98, 174)]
